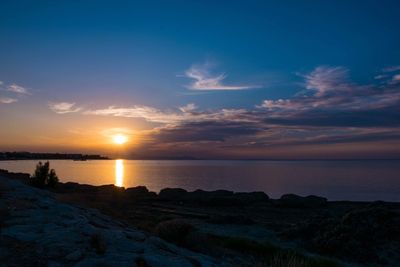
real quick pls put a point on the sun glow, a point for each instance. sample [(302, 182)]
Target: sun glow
[(119, 172), (120, 139)]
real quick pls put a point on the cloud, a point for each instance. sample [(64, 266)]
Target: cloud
[(7, 100), (206, 131), (332, 110), (380, 76), (396, 78), (64, 107), (335, 105), (325, 79), (391, 69), (340, 118), (204, 80), (336, 102), (17, 89), (138, 111), (335, 91), (283, 104), (188, 108), (169, 117)]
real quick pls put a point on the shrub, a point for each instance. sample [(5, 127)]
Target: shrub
[(268, 254), (175, 231), (52, 179), (98, 243), (288, 260), (44, 176), (141, 262)]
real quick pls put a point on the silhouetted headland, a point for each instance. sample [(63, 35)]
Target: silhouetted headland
[(47, 156), (243, 228)]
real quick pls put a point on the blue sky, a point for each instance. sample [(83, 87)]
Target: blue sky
[(214, 55)]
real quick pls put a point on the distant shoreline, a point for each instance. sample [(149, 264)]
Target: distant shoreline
[(48, 156), (164, 159)]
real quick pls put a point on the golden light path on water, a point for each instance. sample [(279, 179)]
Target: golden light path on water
[(119, 172)]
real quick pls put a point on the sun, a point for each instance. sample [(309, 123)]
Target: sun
[(120, 139)]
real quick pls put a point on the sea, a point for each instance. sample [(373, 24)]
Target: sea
[(355, 180)]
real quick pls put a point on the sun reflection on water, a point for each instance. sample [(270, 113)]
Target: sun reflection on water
[(119, 172)]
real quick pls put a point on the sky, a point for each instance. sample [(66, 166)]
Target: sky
[(201, 79)]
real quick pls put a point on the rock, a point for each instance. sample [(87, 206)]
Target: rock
[(75, 187), (75, 256), (231, 219), (135, 235), (252, 197), (24, 177), (110, 188), (212, 198), (140, 192), (172, 194), (39, 226), (295, 201), (211, 194)]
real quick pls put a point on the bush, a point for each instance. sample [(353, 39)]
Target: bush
[(175, 231), (44, 176), (98, 243), (288, 260)]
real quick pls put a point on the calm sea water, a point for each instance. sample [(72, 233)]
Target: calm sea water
[(336, 180)]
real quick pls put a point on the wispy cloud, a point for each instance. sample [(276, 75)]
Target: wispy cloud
[(280, 104), (137, 111), (391, 69), (17, 89), (188, 108), (396, 78), (380, 76), (169, 117), (64, 107), (7, 100), (325, 78), (333, 91), (204, 80)]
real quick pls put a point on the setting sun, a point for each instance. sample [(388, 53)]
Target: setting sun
[(120, 139)]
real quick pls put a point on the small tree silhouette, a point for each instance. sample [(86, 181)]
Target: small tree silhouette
[(44, 176)]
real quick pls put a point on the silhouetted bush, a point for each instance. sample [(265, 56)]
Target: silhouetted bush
[(141, 262), (44, 176), (4, 209), (289, 260), (98, 243), (52, 179), (175, 231)]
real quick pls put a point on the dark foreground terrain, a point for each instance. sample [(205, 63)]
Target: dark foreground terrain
[(227, 228)]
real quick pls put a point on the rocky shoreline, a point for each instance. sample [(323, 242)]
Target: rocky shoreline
[(39, 230), (66, 226)]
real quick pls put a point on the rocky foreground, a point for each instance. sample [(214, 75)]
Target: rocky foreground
[(179, 228), (38, 230)]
